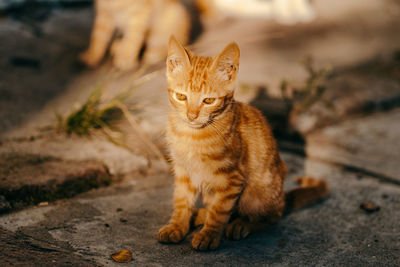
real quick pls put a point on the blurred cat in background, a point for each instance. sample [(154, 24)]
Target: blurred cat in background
[(151, 22), (139, 21), (283, 11)]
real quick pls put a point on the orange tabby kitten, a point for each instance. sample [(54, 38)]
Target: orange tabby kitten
[(136, 20), (224, 150)]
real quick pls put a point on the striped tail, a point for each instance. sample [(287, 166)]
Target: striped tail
[(311, 191)]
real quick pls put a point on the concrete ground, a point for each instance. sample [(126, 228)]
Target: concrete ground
[(89, 228), (350, 139)]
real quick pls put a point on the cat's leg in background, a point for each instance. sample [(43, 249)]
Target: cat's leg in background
[(282, 11), (126, 50), (292, 11), (169, 19), (302, 10), (184, 199), (242, 226), (219, 209), (102, 32)]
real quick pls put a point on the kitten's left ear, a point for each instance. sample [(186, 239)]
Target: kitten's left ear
[(178, 57), (226, 64)]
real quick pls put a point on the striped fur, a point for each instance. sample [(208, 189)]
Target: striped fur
[(224, 152), (139, 21)]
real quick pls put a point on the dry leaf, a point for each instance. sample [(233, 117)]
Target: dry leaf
[(368, 207), (124, 255)]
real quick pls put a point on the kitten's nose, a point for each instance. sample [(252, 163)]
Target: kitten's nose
[(192, 116)]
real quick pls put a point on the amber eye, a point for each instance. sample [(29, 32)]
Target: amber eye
[(180, 97), (209, 100)]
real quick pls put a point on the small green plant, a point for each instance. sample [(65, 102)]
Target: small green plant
[(93, 114), (99, 111)]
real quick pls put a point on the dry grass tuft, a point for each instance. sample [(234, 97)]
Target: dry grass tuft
[(102, 113)]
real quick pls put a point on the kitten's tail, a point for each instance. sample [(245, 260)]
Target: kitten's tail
[(311, 191)]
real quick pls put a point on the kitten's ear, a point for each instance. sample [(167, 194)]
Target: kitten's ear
[(178, 57), (226, 64)]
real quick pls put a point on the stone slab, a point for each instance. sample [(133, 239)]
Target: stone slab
[(27, 179), (358, 90), (117, 159), (370, 143), (269, 53)]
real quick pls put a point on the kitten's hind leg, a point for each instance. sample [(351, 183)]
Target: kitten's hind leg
[(244, 225), (241, 227)]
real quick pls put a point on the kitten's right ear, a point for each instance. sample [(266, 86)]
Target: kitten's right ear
[(226, 64), (178, 57)]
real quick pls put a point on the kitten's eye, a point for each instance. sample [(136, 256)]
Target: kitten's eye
[(180, 97), (209, 100)]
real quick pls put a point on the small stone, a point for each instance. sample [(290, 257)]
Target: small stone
[(369, 208), (123, 220)]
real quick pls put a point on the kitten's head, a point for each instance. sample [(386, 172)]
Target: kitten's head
[(201, 88)]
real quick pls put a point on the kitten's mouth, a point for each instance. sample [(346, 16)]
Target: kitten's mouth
[(199, 125), (195, 124)]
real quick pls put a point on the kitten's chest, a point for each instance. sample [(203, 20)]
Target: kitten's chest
[(192, 157)]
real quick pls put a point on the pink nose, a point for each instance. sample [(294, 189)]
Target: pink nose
[(192, 116)]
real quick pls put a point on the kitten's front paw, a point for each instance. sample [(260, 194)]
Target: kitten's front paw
[(170, 234), (206, 240), (238, 229)]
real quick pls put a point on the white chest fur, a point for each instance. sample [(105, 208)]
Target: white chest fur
[(193, 162)]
